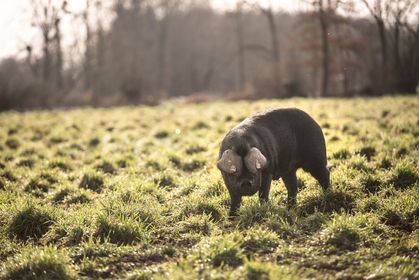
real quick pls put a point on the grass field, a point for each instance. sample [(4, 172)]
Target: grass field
[(134, 193)]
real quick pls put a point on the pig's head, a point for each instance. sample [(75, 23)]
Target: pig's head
[(242, 179)]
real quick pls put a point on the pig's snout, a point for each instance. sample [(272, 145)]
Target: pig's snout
[(246, 185)]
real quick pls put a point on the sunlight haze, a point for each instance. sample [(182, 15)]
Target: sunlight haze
[(16, 31)]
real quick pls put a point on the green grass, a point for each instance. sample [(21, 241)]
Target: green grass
[(134, 193)]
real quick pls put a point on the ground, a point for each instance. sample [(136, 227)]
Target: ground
[(134, 193)]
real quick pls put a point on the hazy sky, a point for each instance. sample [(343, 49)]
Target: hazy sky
[(16, 30)]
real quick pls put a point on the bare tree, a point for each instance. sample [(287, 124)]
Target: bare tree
[(399, 10), (379, 10), (88, 53), (241, 64), (323, 11), (47, 15), (164, 8), (269, 13)]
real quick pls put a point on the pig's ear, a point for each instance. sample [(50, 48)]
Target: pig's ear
[(231, 163), (255, 161)]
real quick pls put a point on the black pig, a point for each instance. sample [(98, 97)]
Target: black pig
[(269, 145)]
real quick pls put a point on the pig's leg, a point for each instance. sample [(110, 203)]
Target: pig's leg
[(291, 183), (235, 204), (265, 188)]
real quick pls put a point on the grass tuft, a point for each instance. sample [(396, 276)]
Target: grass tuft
[(30, 221), (256, 270), (108, 167), (405, 174), (342, 232), (260, 240), (343, 153), (39, 263), (92, 180), (161, 134), (329, 201), (367, 151), (13, 142), (134, 193), (38, 187), (120, 230)]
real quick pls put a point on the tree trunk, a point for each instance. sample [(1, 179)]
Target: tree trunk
[(161, 58), (275, 51), (59, 62), (240, 47), (325, 50), (88, 50), (47, 57), (384, 62)]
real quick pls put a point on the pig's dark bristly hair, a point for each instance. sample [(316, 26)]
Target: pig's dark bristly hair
[(241, 146)]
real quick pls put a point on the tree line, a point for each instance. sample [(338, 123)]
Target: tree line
[(153, 50)]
